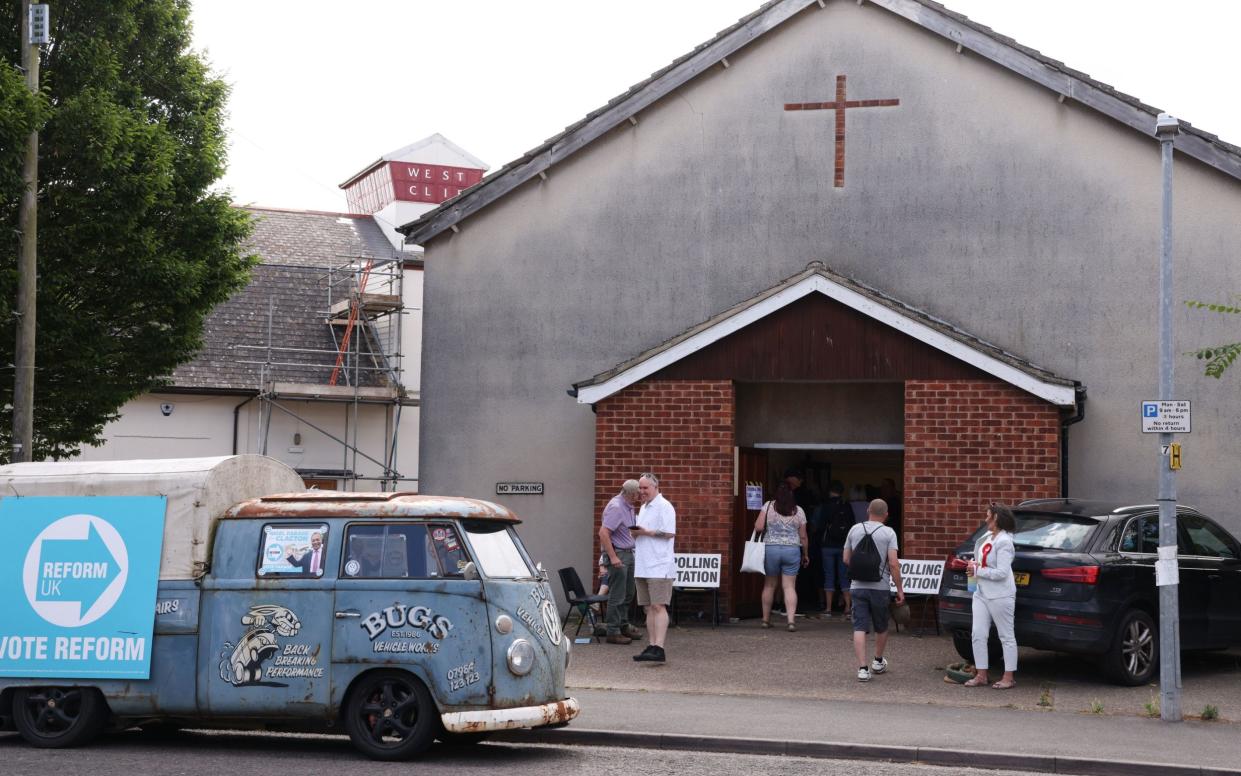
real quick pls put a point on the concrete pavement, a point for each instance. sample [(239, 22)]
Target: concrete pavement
[(738, 688)]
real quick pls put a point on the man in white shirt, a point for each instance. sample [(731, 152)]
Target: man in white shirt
[(654, 565)]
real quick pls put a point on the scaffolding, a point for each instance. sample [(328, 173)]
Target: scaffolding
[(345, 350)]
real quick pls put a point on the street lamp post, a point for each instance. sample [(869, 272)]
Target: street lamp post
[(1166, 129)]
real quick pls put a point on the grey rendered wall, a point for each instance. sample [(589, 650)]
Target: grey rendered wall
[(981, 199)]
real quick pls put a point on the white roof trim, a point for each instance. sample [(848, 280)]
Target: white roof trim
[(435, 139), (1060, 395)]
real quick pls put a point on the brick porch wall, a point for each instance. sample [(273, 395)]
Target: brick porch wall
[(683, 431), (967, 443)]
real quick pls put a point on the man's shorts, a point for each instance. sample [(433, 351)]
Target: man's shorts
[(654, 591), (870, 609)]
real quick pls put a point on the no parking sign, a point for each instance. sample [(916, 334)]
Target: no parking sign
[(79, 579)]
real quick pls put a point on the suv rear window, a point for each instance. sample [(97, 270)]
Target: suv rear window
[(1051, 531), (1047, 531)]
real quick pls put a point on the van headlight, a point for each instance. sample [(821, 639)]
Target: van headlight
[(520, 657), (568, 652)]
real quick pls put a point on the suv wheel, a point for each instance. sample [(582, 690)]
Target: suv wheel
[(1134, 656), (965, 648)]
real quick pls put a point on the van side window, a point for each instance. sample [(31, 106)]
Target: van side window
[(402, 551), (288, 550)]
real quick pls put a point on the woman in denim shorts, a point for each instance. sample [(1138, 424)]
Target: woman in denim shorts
[(786, 550)]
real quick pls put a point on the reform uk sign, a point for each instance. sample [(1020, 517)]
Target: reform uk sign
[(1165, 417)]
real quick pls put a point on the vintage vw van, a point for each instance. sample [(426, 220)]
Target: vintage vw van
[(402, 618)]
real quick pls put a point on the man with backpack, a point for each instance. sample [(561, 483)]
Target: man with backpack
[(870, 551), (836, 519)]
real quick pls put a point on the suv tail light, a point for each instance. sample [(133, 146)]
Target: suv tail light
[(1087, 575)]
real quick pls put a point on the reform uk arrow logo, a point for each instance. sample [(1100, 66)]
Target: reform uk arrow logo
[(75, 570)]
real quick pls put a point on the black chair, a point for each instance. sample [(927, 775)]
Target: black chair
[(575, 594)]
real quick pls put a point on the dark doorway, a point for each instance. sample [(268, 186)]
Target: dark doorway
[(866, 472)]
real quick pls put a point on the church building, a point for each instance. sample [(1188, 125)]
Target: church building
[(867, 240)]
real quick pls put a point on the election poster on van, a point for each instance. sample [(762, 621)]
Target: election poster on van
[(79, 577)]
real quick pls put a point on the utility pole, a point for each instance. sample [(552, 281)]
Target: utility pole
[(1167, 573), (33, 32)]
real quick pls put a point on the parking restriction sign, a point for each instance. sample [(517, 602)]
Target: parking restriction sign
[(1165, 417)]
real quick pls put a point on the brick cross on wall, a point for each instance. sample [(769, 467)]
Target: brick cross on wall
[(840, 105)]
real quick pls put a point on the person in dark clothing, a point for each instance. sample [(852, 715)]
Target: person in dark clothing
[(837, 518), (809, 578)]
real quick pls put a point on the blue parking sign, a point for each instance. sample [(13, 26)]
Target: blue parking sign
[(79, 578), (1150, 409)]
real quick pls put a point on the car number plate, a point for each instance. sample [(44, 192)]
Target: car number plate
[(1022, 578)]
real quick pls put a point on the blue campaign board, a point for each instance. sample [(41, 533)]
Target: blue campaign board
[(78, 578)]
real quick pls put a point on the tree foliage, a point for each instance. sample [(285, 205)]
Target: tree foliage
[(134, 247), (1219, 357)]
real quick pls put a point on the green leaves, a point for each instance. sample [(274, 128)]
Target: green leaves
[(134, 248), (1215, 308), (1221, 357)]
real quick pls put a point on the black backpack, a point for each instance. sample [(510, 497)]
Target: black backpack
[(839, 521), (865, 565)]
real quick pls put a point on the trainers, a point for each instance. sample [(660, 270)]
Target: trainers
[(651, 655), (879, 665), (617, 638), (643, 654), (863, 674)]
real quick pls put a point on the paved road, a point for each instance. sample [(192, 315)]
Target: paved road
[(195, 754)]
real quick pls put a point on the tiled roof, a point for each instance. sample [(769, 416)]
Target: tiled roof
[(297, 251), (971, 36)]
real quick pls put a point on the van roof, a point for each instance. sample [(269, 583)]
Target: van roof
[(335, 503)]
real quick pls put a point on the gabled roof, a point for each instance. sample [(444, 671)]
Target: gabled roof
[(296, 250), (1006, 52), (450, 154), (817, 278)]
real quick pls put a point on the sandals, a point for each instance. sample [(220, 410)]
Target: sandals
[(1002, 685), (766, 624), (975, 682)]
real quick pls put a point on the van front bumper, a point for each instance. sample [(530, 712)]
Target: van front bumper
[(556, 713)]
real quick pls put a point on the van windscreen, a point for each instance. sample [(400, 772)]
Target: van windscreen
[(496, 550)]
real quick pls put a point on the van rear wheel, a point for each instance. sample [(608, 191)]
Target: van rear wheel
[(390, 716), (59, 717)]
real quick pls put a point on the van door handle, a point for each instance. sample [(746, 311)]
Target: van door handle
[(347, 615)]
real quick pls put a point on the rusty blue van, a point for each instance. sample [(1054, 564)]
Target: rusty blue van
[(397, 617)]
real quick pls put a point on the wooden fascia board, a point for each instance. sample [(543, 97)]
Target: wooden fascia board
[(610, 118), (1058, 81), (1053, 393)]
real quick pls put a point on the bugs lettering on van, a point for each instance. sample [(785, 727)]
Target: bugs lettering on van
[(400, 616)]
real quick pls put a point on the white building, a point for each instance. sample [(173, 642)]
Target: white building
[(317, 361)]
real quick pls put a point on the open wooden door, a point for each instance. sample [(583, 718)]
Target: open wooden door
[(747, 589)]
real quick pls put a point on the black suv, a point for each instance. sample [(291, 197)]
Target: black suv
[(1085, 573)]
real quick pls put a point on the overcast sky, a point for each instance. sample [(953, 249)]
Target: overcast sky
[(322, 89)]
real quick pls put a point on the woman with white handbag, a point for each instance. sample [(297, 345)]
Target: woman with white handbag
[(786, 551)]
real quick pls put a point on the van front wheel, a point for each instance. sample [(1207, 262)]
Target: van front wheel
[(390, 716), (58, 717)]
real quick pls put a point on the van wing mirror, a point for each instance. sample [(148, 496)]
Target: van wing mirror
[(541, 571), (469, 571)]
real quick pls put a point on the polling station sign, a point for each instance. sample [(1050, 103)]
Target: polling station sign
[(79, 577)]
